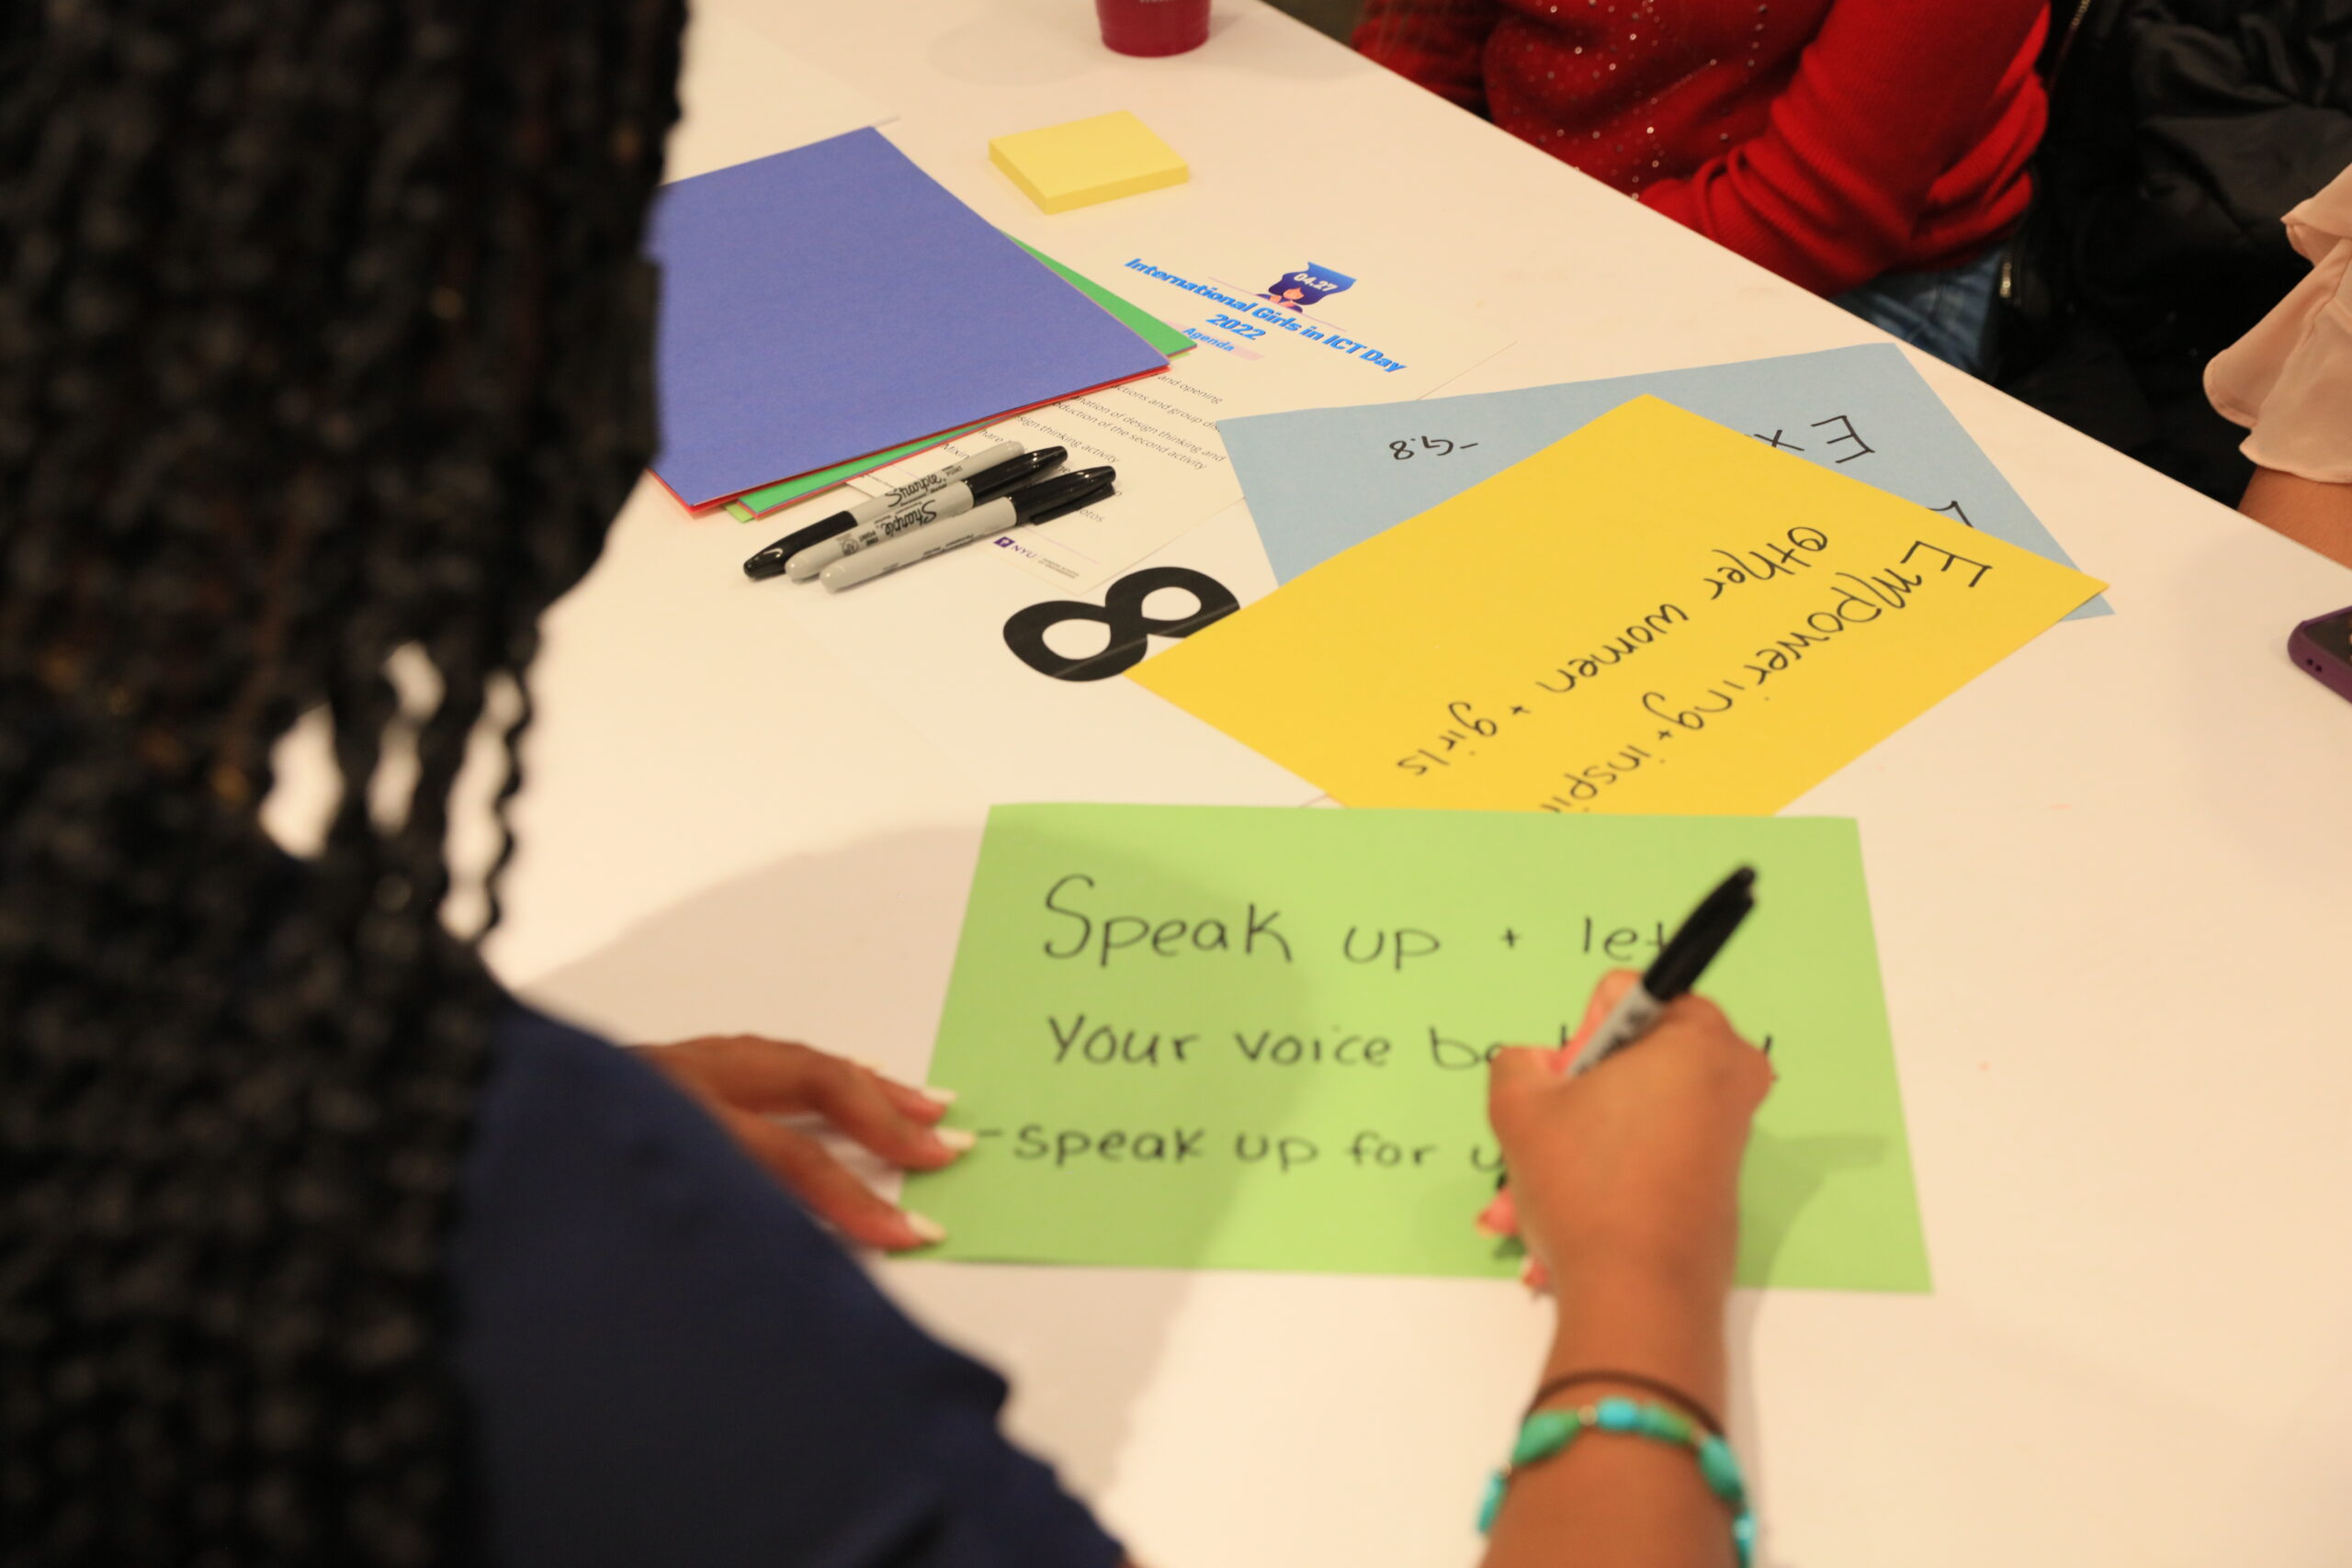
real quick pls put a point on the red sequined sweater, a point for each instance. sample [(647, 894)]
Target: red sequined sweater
[(1830, 140)]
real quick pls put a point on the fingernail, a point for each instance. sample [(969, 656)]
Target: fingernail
[(927, 1230), (1490, 1221), (956, 1138), (936, 1094)]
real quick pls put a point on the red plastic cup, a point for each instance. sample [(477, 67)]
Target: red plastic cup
[(1153, 26)]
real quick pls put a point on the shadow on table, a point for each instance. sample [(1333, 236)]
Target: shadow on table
[(1782, 1177), (848, 951), (851, 951)]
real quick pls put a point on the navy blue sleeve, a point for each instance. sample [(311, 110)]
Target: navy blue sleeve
[(668, 1362)]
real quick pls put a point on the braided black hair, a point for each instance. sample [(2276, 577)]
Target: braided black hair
[(321, 332)]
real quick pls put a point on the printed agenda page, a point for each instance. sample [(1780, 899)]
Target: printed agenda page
[(1273, 330)]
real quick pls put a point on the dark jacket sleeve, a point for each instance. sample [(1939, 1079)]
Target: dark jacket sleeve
[(668, 1362)]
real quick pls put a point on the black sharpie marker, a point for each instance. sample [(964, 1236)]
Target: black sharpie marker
[(771, 561), (950, 501), (1039, 503)]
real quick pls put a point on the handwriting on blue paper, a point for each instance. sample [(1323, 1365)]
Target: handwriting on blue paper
[(1402, 451), (1319, 480)]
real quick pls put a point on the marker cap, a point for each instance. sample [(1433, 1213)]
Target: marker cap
[(1062, 494), (989, 483), (771, 562), (1688, 953)]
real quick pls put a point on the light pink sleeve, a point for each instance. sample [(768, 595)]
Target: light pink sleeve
[(2290, 380)]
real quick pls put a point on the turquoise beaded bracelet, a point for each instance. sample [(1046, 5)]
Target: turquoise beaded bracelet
[(1546, 1432)]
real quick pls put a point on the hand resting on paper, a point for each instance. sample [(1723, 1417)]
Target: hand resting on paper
[(746, 1082), (1624, 1185)]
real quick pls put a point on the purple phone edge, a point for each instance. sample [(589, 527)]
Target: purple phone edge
[(2321, 665)]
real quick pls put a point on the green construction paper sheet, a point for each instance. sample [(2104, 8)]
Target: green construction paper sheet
[(752, 504), (1143, 323), (1208, 1037)]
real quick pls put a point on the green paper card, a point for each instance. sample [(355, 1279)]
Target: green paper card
[(1143, 323), (1206, 1037), (754, 504)]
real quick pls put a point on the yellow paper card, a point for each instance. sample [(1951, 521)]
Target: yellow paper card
[(1087, 161), (1654, 614)]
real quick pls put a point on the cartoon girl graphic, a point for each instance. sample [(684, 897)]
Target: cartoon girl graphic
[(1310, 284)]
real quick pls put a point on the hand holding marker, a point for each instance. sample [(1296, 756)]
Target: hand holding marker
[(1039, 503), (974, 469), (1676, 969)]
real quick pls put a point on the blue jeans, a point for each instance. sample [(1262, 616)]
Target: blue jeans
[(1948, 313)]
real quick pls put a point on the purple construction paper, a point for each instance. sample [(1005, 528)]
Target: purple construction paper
[(833, 300)]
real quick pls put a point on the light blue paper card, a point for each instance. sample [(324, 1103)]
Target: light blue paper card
[(1321, 480)]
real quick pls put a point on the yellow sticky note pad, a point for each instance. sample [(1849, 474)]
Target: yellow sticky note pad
[(1654, 614), (1087, 161)]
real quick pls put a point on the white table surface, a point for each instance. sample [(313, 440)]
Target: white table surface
[(2112, 881)]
